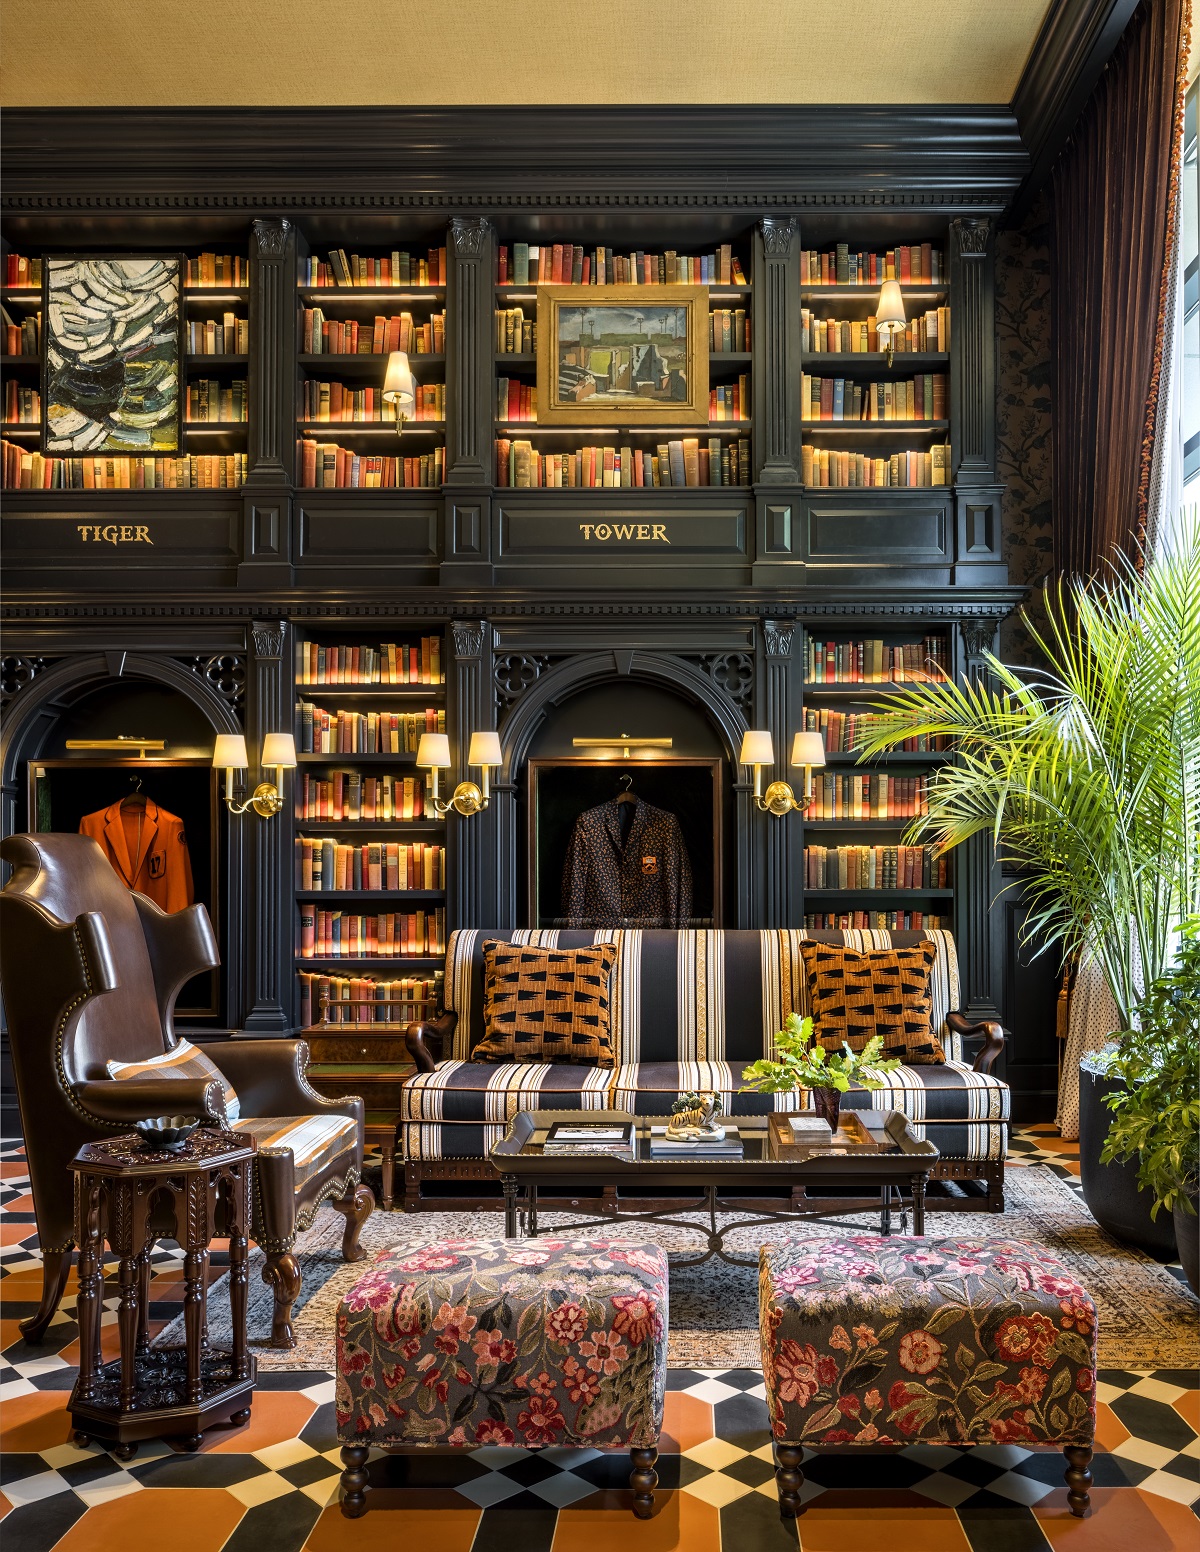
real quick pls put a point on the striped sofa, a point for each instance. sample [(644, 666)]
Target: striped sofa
[(689, 1010)]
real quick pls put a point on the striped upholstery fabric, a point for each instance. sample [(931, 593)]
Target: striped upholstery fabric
[(318, 1144), (689, 1010), (460, 1110), (183, 1060)]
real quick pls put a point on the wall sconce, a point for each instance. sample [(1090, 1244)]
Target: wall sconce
[(433, 754), (399, 387), (808, 751), (229, 755), (890, 318)]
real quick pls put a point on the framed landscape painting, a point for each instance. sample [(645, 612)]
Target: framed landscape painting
[(622, 355), (111, 377)]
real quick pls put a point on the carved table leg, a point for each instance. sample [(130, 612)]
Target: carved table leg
[(238, 1294), (511, 1230), (143, 1329), (91, 1283), (195, 1266), (56, 1268), (128, 1321), (789, 1479), (643, 1479), (282, 1271), (1079, 1479), (354, 1480), (356, 1207)]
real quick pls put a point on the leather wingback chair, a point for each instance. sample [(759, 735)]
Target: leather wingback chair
[(91, 972)]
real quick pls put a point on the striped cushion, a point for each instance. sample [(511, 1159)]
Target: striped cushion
[(183, 1060), (687, 996), (318, 1144), (462, 1109)]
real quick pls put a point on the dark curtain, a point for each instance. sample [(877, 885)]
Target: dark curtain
[(1111, 239)]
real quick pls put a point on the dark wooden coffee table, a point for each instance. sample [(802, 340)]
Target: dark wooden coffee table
[(877, 1163)]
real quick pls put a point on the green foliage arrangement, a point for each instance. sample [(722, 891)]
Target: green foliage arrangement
[(1086, 773), (1156, 1112), (804, 1063)]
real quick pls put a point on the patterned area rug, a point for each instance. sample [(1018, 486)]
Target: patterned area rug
[(1147, 1318)]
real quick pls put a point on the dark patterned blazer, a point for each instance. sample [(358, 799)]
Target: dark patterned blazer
[(644, 880)]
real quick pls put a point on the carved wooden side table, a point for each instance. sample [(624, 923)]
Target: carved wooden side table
[(132, 1196)]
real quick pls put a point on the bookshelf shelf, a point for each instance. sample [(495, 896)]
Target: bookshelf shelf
[(855, 825), (363, 363), (370, 894), (12, 363), (862, 687), (373, 826), (369, 962), (716, 292), (209, 294), (12, 428), (31, 294), (911, 293), (871, 428), (878, 894), (370, 295), (872, 362), (214, 363), (339, 430), (390, 692), (587, 433), (357, 757), (849, 757)]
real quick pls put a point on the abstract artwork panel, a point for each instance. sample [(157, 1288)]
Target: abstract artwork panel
[(113, 355)]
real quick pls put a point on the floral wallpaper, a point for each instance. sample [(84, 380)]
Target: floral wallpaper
[(1023, 409)]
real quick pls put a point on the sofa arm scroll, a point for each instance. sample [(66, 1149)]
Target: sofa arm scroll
[(991, 1031), (428, 1039)]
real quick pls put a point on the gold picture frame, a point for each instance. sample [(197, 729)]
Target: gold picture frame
[(646, 363)]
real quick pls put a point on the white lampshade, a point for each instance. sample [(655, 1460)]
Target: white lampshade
[(890, 307), (279, 749), (757, 749), (399, 388), (485, 749), (229, 752), (808, 749), (433, 751)]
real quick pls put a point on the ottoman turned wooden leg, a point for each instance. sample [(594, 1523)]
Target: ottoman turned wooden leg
[(789, 1479), (354, 1480), (643, 1479), (1079, 1479)]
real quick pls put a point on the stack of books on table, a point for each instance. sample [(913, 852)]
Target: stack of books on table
[(663, 1148), (573, 1139)]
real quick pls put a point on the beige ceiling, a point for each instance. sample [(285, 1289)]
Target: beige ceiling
[(270, 53)]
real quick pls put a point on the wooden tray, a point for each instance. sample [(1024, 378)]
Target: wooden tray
[(851, 1137)]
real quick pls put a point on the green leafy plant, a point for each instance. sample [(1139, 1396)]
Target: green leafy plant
[(804, 1063), (1156, 1111), (1087, 772)]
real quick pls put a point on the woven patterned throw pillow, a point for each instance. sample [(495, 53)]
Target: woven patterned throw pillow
[(883, 991), (184, 1060), (546, 1004)]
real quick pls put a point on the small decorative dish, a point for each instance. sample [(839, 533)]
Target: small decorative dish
[(169, 1133)]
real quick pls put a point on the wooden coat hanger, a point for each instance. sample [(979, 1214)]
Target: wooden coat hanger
[(136, 798), (626, 794)]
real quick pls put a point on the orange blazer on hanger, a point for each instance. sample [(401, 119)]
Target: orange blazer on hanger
[(148, 849)]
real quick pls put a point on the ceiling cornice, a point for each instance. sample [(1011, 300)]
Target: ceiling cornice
[(1075, 43), (285, 160)]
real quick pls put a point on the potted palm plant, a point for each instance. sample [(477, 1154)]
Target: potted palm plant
[(1086, 773), (1155, 1105)]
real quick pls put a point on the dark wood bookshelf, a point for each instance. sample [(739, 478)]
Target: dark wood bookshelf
[(370, 894), (365, 362), (872, 362), (335, 962), (871, 428), (374, 691), (843, 757), (875, 894), (211, 294), (360, 295), (912, 291), (11, 362), (408, 758), (372, 826), (198, 363), (331, 430)]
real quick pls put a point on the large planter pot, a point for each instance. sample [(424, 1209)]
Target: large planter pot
[(1187, 1237), (1111, 1190)]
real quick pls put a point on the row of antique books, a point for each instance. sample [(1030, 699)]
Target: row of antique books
[(351, 935), (22, 406), (875, 867), (909, 263), (24, 338), (325, 864), (322, 336), (837, 795), (25, 470), (397, 268), (326, 466), (872, 661), (886, 921), (929, 331), (210, 400), (216, 269), (841, 729), (365, 999), (228, 336), (22, 271), (391, 662), (680, 462), (516, 335), (339, 402), (568, 264), (353, 797), (827, 466), (365, 732), (845, 398)]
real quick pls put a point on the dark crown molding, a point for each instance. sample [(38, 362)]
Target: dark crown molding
[(291, 160), (1075, 43)]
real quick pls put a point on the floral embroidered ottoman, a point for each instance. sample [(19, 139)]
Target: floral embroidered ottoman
[(877, 1340), (493, 1341)]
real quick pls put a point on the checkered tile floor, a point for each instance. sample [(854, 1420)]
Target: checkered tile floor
[(271, 1485)]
